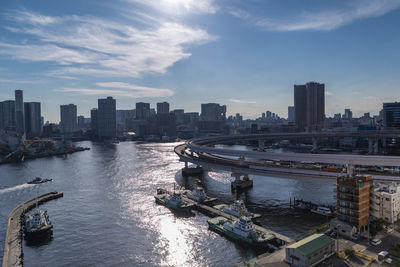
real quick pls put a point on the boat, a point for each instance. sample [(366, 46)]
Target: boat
[(241, 230), (173, 201), (233, 209), (198, 194), (37, 225), (323, 211), (39, 180)]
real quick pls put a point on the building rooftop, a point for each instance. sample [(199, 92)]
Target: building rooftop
[(312, 243)]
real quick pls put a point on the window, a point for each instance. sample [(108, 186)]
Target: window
[(387, 199)]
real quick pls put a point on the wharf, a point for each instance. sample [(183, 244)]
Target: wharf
[(13, 255), (210, 211)]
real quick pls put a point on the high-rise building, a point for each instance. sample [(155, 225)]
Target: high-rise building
[(353, 200), (309, 106), (106, 117), (163, 108), (291, 114), (212, 117), (391, 115), (122, 116), (7, 115), (179, 116), (68, 114), (348, 114), (33, 119), (19, 112), (93, 122), (81, 122), (142, 111)]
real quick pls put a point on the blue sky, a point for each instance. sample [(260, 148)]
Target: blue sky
[(245, 54)]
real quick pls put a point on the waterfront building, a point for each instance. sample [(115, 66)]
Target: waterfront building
[(19, 112), (122, 116), (33, 119), (353, 200), (385, 201), (93, 122), (179, 116), (391, 116), (310, 251), (106, 118), (142, 111), (7, 115), (291, 113), (68, 115), (163, 108), (213, 117), (309, 106)]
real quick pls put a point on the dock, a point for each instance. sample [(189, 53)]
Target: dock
[(13, 255)]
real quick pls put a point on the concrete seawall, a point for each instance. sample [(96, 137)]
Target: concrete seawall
[(13, 255)]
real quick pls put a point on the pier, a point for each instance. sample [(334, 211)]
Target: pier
[(13, 255)]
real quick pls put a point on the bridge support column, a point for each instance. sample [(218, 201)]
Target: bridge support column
[(314, 144), (186, 164), (261, 145), (376, 146), (239, 184), (370, 145)]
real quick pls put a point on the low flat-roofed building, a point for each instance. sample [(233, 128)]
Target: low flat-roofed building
[(310, 251), (342, 228), (385, 201)]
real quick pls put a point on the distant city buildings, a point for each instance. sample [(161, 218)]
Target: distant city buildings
[(212, 118), (391, 116), (94, 122), (7, 115), (309, 106), (163, 108), (142, 111), (33, 119), (291, 114), (68, 115), (106, 118)]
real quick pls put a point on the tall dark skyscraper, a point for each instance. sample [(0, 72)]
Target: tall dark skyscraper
[(391, 116), (7, 115), (107, 118), (93, 122), (68, 115), (142, 111), (309, 106), (163, 108), (33, 119), (19, 112)]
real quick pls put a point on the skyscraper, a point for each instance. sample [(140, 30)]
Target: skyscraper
[(19, 112), (212, 117), (391, 116), (309, 106), (68, 115), (7, 115), (32, 119), (291, 114), (142, 111), (93, 122), (163, 108), (107, 118)]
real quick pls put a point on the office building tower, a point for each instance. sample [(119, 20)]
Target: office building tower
[(291, 114), (81, 122), (391, 116), (19, 112), (212, 118), (348, 114), (179, 116), (122, 116), (93, 122), (33, 119), (107, 118), (7, 115), (142, 111), (68, 115), (309, 106), (163, 108)]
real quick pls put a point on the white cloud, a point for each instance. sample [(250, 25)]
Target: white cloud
[(238, 101), (328, 93), (120, 89), (177, 6), (94, 46), (324, 19)]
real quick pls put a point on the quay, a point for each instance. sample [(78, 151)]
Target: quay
[(13, 255)]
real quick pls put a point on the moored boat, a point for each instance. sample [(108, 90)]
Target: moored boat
[(198, 194), (233, 209), (323, 211), (173, 201), (37, 225), (39, 180)]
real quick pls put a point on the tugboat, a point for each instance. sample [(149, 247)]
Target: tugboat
[(241, 230), (199, 195), (39, 180), (236, 208), (173, 201), (37, 225)]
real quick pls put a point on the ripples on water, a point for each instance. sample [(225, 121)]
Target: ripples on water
[(108, 216)]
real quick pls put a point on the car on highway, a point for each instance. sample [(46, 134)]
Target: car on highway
[(376, 242)]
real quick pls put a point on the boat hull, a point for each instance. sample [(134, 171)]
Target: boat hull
[(185, 208), (39, 234)]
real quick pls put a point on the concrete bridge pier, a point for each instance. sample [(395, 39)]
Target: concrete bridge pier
[(370, 145), (315, 144), (186, 164), (376, 146), (261, 145), (239, 184)]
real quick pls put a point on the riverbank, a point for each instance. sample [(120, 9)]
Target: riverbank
[(13, 254)]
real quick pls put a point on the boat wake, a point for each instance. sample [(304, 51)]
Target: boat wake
[(15, 188)]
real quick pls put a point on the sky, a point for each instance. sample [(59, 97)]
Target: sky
[(244, 54)]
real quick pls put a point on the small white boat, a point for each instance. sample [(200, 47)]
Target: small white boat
[(323, 211)]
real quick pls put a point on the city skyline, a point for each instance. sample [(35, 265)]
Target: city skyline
[(243, 55)]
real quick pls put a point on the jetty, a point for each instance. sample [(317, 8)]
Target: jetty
[(13, 255)]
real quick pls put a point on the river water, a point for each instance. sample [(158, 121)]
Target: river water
[(108, 216)]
